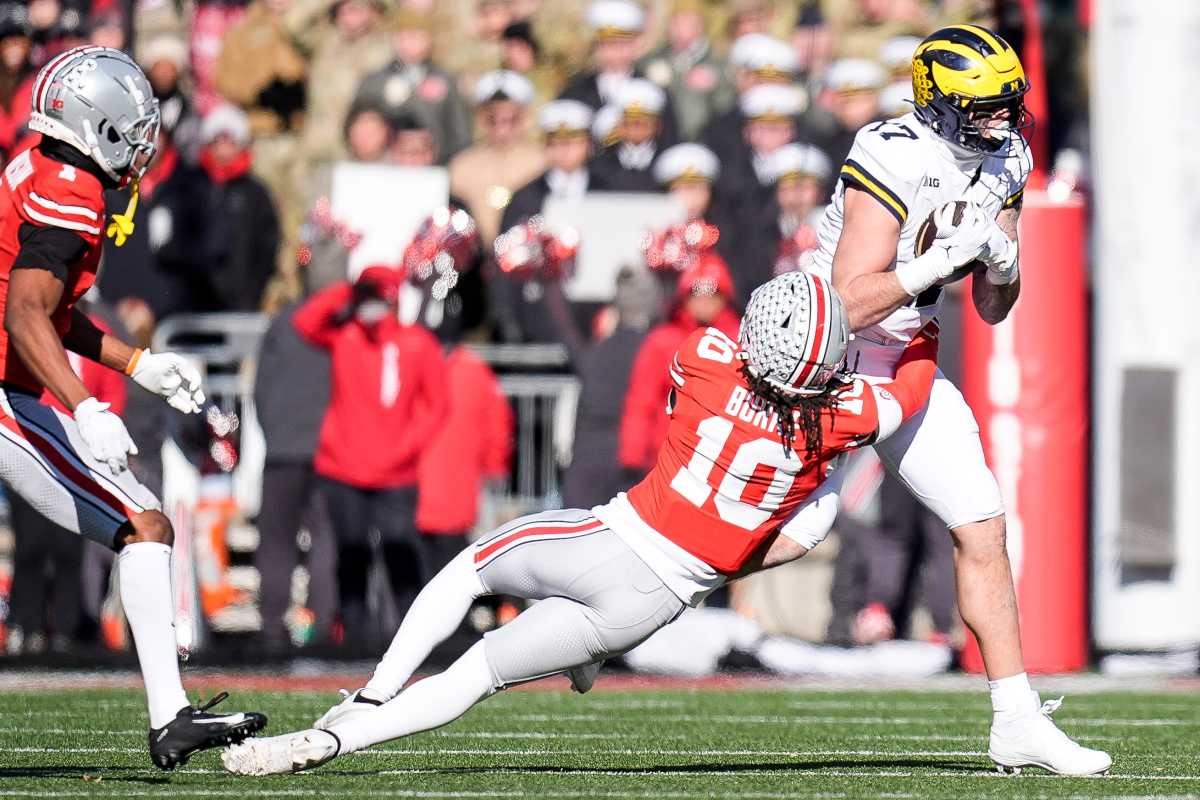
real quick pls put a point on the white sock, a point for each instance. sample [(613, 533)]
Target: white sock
[(146, 595), (427, 704), (432, 618), (1013, 696)]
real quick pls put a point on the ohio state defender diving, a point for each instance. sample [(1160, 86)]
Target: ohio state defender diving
[(742, 483)]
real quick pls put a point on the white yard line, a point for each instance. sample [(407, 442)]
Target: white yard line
[(414, 793), (637, 751), (624, 751), (543, 735), (568, 735), (547, 793), (435, 734), (762, 719)]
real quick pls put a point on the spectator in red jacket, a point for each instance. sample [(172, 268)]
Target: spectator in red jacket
[(702, 298), (474, 445), (387, 401)]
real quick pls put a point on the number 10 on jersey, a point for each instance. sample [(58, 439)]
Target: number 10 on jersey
[(696, 482)]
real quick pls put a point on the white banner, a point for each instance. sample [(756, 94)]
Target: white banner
[(611, 226), (385, 204)]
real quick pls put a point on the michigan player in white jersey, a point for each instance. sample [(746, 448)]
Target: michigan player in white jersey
[(961, 142)]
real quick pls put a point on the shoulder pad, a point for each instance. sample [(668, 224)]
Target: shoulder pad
[(704, 350), (887, 161), (857, 417), (1018, 164), (61, 196)]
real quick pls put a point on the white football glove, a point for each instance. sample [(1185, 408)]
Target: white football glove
[(170, 376), (1000, 257), (966, 241), (955, 246), (104, 434)]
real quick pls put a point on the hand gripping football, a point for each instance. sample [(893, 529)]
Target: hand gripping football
[(929, 231)]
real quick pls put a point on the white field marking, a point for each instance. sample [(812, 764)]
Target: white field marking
[(438, 734), (938, 737), (981, 701), (637, 751), (572, 795), (540, 735), (569, 772), (852, 705), (78, 731), (73, 750), (622, 704), (760, 719), (970, 709), (815, 772), (862, 737)]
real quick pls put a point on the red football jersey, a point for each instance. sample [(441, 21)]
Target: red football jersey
[(46, 193), (723, 482)]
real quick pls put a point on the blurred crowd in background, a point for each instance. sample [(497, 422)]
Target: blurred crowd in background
[(380, 433)]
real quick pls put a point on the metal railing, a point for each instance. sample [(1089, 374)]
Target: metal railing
[(534, 378)]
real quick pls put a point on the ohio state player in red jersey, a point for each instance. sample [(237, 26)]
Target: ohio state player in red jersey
[(99, 121), (743, 483)]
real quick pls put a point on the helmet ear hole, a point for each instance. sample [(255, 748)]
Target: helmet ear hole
[(112, 135)]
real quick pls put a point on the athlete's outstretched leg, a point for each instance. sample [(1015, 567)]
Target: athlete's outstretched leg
[(435, 614), (620, 602), (551, 636), (427, 704), (433, 617), (556, 633)]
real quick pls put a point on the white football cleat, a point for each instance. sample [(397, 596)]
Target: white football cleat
[(353, 704), (583, 678), (281, 755), (1033, 740)]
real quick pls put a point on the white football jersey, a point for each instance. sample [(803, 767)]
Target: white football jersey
[(912, 171)]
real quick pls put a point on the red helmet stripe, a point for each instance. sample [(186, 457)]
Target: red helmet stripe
[(818, 331), (46, 76), (45, 79)]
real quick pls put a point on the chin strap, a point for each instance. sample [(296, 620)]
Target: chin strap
[(121, 227)]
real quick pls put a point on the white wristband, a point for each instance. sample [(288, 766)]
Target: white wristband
[(1005, 272), (922, 272)]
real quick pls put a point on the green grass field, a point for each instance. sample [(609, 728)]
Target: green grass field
[(609, 744)]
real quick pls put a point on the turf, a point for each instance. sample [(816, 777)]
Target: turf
[(644, 744)]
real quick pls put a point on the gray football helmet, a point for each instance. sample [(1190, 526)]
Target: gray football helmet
[(98, 100), (795, 333)]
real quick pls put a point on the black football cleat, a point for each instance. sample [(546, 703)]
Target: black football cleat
[(194, 729)]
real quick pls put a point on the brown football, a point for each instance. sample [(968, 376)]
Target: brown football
[(928, 232)]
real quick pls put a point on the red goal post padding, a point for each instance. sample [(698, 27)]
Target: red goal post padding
[(1027, 382)]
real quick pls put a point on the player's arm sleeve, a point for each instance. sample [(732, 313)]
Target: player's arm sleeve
[(49, 248), (884, 163), (811, 522), (908, 392), (318, 320)]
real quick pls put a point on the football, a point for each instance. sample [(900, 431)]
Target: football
[(928, 232)]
